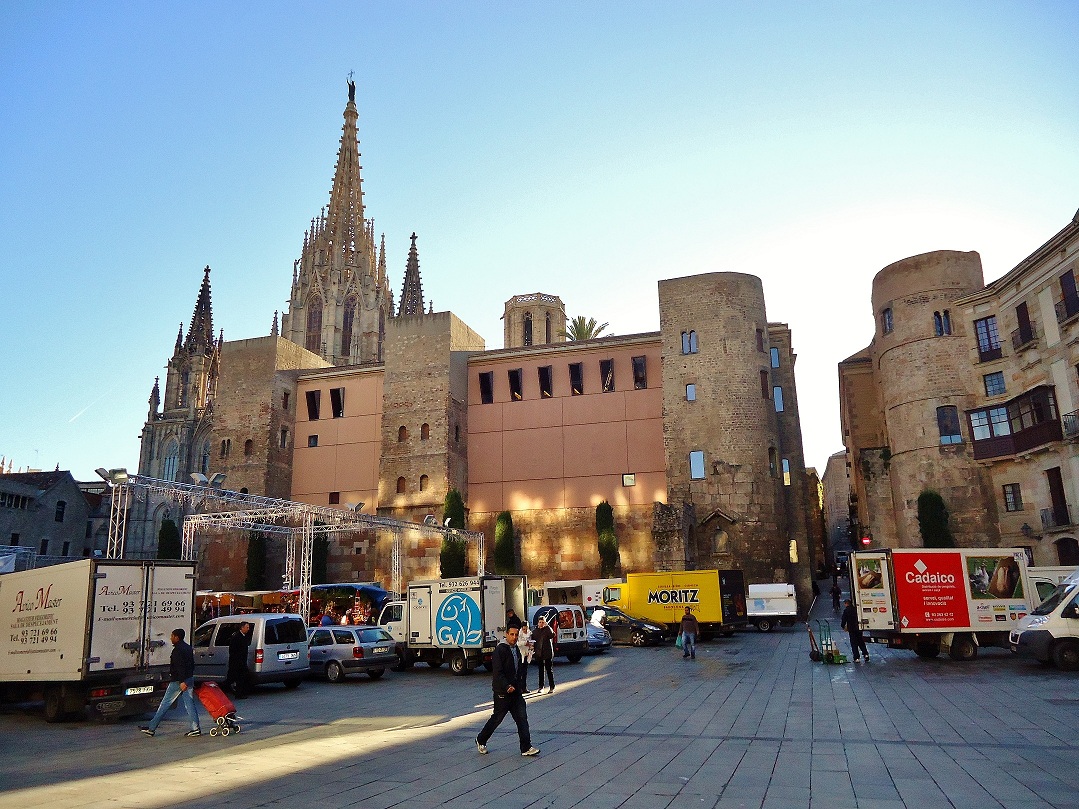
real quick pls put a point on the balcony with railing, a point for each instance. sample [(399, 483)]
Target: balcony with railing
[(1056, 517), (1024, 338), (1067, 309), (1070, 423)]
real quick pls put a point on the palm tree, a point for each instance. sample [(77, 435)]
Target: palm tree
[(582, 328)]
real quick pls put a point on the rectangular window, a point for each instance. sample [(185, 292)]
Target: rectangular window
[(760, 339), (44, 549), (777, 397), (89, 529), (487, 387), (66, 549), (786, 472), (691, 392), (991, 423), (696, 465), (640, 373), (285, 400), (314, 401), (606, 373), (1070, 305), (546, 382), (576, 378), (1013, 497), (764, 384), (689, 342), (335, 498), (994, 383), (15, 540), (284, 438), (337, 402), (988, 339), (886, 324), (629, 480), (312, 440), (775, 357), (516, 391), (948, 425)]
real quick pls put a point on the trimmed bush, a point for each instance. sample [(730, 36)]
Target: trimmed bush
[(505, 553), (933, 521), (169, 544)]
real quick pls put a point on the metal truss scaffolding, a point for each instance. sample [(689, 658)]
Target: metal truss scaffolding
[(299, 523)]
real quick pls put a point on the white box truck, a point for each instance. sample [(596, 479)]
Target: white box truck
[(768, 605), (455, 621), (1051, 631), (941, 600), (93, 633), (583, 592)]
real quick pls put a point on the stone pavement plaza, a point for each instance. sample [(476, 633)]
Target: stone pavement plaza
[(752, 722)]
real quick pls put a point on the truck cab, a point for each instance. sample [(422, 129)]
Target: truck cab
[(1051, 632)]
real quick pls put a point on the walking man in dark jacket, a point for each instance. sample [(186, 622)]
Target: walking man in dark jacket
[(850, 623), (543, 640), (690, 630), (181, 686), (508, 683), (238, 678)]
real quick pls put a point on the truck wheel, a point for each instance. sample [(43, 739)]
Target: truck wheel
[(1066, 655), (458, 664), (573, 658), (374, 674), (928, 650), (54, 704), (963, 648), (435, 664), (638, 638), (764, 625), (334, 672), (405, 660)]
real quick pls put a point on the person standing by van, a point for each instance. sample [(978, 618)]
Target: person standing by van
[(690, 629), (239, 678), (850, 623), (507, 682), (543, 650), (181, 686)]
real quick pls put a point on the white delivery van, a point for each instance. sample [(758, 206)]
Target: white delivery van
[(770, 604), (93, 633), (568, 623), (458, 621), (1051, 631), (1046, 579)]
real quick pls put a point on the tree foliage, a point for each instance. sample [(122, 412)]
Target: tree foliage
[(320, 559), (933, 521), (583, 328), (453, 558), (169, 544), (256, 562), (505, 552), (608, 540), (453, 509)]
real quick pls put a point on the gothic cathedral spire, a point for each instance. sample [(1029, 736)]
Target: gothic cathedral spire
[(338, 298), (412, 289)]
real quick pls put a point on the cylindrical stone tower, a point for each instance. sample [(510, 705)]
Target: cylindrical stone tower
[(532, 320)]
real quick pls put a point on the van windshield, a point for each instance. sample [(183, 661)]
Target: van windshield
[(1050, 604)]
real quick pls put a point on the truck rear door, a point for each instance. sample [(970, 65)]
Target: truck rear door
[(170, 605), (116, 634), (494, 609), (871, 586)]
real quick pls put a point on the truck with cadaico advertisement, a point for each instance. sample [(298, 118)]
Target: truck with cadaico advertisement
[(93, 633), (933, 600), (458, 621), (717, 598)]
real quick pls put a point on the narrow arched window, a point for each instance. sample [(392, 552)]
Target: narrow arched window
[(249, 447), (204, 463), (402, 434), (313, 338), (693, 342), (425, 432), (528, 329), (547, 328), (172, 461), (400, 485), (346, 327), (423, 482), (61, 508)]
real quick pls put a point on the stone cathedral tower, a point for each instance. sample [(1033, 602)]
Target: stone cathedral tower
[(340, 296)]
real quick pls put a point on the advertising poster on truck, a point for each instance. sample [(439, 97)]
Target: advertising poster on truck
[(46, 621), (946, 590)]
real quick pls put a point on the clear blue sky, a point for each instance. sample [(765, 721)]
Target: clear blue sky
[(586, 150)]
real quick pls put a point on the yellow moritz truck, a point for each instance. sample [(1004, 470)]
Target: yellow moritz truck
[(717, 598)]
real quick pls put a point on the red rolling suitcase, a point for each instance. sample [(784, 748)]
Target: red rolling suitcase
[(220, 707)]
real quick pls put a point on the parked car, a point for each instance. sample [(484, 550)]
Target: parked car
[(337, 651), (571, 637), (599, 639), (277, 652), (626, 628)]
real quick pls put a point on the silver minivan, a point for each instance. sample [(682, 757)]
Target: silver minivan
[(278, 652)]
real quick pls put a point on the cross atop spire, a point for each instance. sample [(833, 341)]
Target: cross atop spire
[(201, 333), (412, 289)]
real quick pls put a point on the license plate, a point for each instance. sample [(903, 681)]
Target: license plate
[(288, 655), (381, 650), (139, 689)]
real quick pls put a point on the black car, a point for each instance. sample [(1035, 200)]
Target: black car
[(628, 629)]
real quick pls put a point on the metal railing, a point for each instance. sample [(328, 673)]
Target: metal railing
[(1056, 516), (1022, 338), (1070, 422), (1067, 309)]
